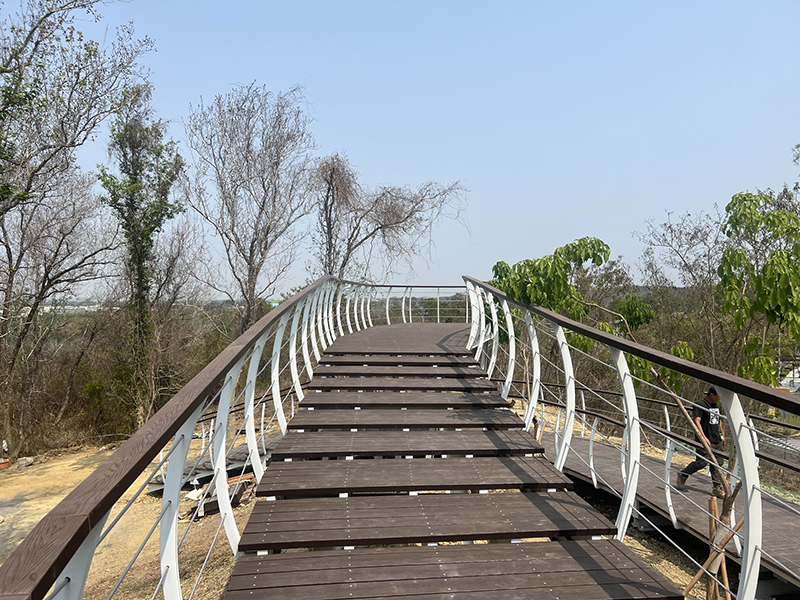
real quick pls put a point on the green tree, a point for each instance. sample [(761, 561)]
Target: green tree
[(760, 274), (140, 197)]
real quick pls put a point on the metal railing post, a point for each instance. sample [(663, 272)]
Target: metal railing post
[(569, 381), (304, 337), (751, 492), (512, 350), (71, 583), (495, 334), (170, 501), (472, 300), (298, 386), (220, 458), (276, 372), (388, 294), (249, 409), (633, 438), (536, 362)]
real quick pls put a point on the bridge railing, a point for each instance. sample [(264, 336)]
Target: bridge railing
[(214, 435), (557, 367)]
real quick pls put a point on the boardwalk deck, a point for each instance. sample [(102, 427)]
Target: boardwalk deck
[(401, 384), (413, 419), (406, 371), (475, 476), (397, 360), (586, 570), (358, 521), (318, 478), (409, 400), (337, 444)]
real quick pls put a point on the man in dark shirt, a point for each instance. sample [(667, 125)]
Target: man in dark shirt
[(707, 417)]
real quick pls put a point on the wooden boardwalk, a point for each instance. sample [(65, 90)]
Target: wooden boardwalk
[(478, 510)]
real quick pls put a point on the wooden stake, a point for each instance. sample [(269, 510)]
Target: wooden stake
[(713, 556)]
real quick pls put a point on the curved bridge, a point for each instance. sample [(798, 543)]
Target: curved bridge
[(370, 418)]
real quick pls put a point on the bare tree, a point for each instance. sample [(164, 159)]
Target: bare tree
[(56, 88), (356, 226), (250, 184), (49, 248)]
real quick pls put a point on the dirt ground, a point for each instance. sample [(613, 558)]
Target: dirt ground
[(28, 494)]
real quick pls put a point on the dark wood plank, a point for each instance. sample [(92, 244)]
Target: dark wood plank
[(405, 443), (400, 384), (408, 338), (349, 400), (497, 569), (396, 360), (325, 478), (322, 522), (406, 370), (398, 419)]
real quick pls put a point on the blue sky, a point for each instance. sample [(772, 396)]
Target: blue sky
[(562, 119)]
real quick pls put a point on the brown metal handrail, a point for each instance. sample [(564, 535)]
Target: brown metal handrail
[(33, 567)]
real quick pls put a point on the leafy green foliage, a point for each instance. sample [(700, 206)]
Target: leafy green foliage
[(549, 281), (636, 310), (140, 194), (760, 273)]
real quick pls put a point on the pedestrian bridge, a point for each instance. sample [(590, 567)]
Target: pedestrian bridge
[(417, 442)]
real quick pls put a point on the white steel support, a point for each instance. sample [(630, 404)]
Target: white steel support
[(325, 333), (403, 304), (669, 450), (339, 293), (512, 349), (304, 336), (72, 580), (170, 500), (369, 306), (356, 301), (220, 458), (364, 299), (348, 295), (569, 382), (591, 451), (536, 379), (298, 387), (438, 316), (312, 324), (495, 333), (275, 362), (633, 437), (751, 492), (481, 325), (249, 404), (472, 298), (388, 294), (329, 312), (320, 319)]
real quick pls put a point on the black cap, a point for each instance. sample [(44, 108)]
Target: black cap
[(712, 391)]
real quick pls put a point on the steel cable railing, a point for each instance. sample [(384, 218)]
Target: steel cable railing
[(272, 361), (545, 339)]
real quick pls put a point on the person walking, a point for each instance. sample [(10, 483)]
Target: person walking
[(707, 417)]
